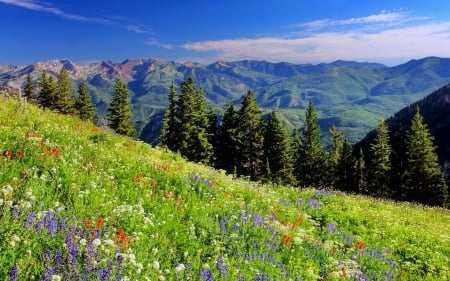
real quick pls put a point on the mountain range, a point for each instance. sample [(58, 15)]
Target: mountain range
[(350, 95)]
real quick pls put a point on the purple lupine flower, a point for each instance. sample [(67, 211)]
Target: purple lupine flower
[(52, 226), (258, 221), (206, 275), (30, 220), (58, 258), (300, 201), (72, 254), (223, 268), (16, 212), (47, 255), (62, 224), (40, 225), (13, 273), (331, 228), (48, 274), (313, 203)]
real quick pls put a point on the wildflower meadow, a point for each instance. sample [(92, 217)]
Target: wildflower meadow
[(80, 203)]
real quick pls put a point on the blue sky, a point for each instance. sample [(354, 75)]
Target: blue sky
[(297, 31)]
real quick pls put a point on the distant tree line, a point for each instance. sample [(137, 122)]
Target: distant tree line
[(58, 95), (245, 144)]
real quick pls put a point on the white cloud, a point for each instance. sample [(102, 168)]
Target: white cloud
[(383, 18), (155, 42), (46, 8), (41, 7), (390, 44)]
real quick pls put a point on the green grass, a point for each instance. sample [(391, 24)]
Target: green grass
[(79, 201)]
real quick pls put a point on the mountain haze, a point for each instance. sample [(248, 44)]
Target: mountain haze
[(350, 95)]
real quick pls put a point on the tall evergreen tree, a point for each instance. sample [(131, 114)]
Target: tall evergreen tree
[(345, 172), (170, 129), (277, 151), (28, 91), (227, 145), (212, 132), (398, 165), (119, 111), (64, 102), (361, 183), (310, 168), (335, 153), (193, 124), (83, 103), (47, 91), (380, 166), (250, 138), (424, 179)]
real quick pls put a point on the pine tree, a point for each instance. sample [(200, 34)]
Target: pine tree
[(277, 151), (170, 129), (424, 179), (212, 132), (119, 111), (193, 123), (398, 163), (47, 91), (227, 145), (380, 166), (28, 91), (345, 172), (64, 102), (335, 153), (361, 183), (310, 166), (83, 103), (250, 138)]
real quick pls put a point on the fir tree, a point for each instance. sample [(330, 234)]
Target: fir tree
[(119, 111), (250, 138), (277, 151), (398, 165), (83, 103), (361, 183), (335, 153), (310, 167), (47, 91), (28, 91), (424, 179), (193, 123), (170, 129), (64, 102), (380, 166), (345, 172), (227, 145), (212, 132)]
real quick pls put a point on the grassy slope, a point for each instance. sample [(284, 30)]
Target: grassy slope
[(112, 198)]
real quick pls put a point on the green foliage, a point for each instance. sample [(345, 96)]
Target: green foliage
[(47, 94), (277, 151), (335, 153), (63, 97), (192, 128), (120, 113), (250, 138), (112, 198), (424, 180), (83, 103), (170, 130), (226, 149), (310, 167), (29, 90), (380, 166)]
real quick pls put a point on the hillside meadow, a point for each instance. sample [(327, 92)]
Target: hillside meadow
[(80, 203)]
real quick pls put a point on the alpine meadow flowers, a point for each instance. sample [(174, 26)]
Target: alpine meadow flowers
[(79, 203)]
